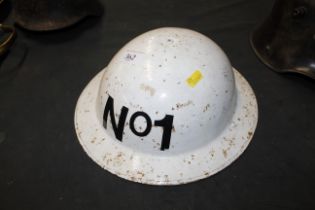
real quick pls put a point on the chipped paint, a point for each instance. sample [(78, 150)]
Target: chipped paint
[(182, 105), (147, 88), (206, 108), (224, 151)]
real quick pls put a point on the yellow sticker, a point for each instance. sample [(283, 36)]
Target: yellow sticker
[(194, 78)]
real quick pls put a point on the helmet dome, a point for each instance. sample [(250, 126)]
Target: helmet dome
[(169, 73)]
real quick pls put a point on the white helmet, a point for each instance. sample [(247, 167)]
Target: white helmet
[(168, 109)]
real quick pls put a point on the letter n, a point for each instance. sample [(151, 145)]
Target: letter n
[(109, 109)]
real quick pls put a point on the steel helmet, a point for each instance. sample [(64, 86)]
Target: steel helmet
[(47, 15), (285, 40), (168, 109)]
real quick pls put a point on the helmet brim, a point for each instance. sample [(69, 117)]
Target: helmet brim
[(175, 169)]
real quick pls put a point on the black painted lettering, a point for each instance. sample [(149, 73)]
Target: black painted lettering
[(109, 109), (167, 124), (148, 126)]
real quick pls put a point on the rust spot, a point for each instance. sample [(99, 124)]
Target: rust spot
[(250, 134), (140, 173), (230, 141), (148, 88), (179, 105), (206, 108), (166, 179), (224, 152), (108, 161), (93, 140), (118, 159), (105, 156), (212, 153)]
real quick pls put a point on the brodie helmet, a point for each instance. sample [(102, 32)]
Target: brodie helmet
[(7, 37), (285, 41), (168, 109), (47, 15)]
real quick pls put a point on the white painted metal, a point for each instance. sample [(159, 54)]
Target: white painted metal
[(176, 72)]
